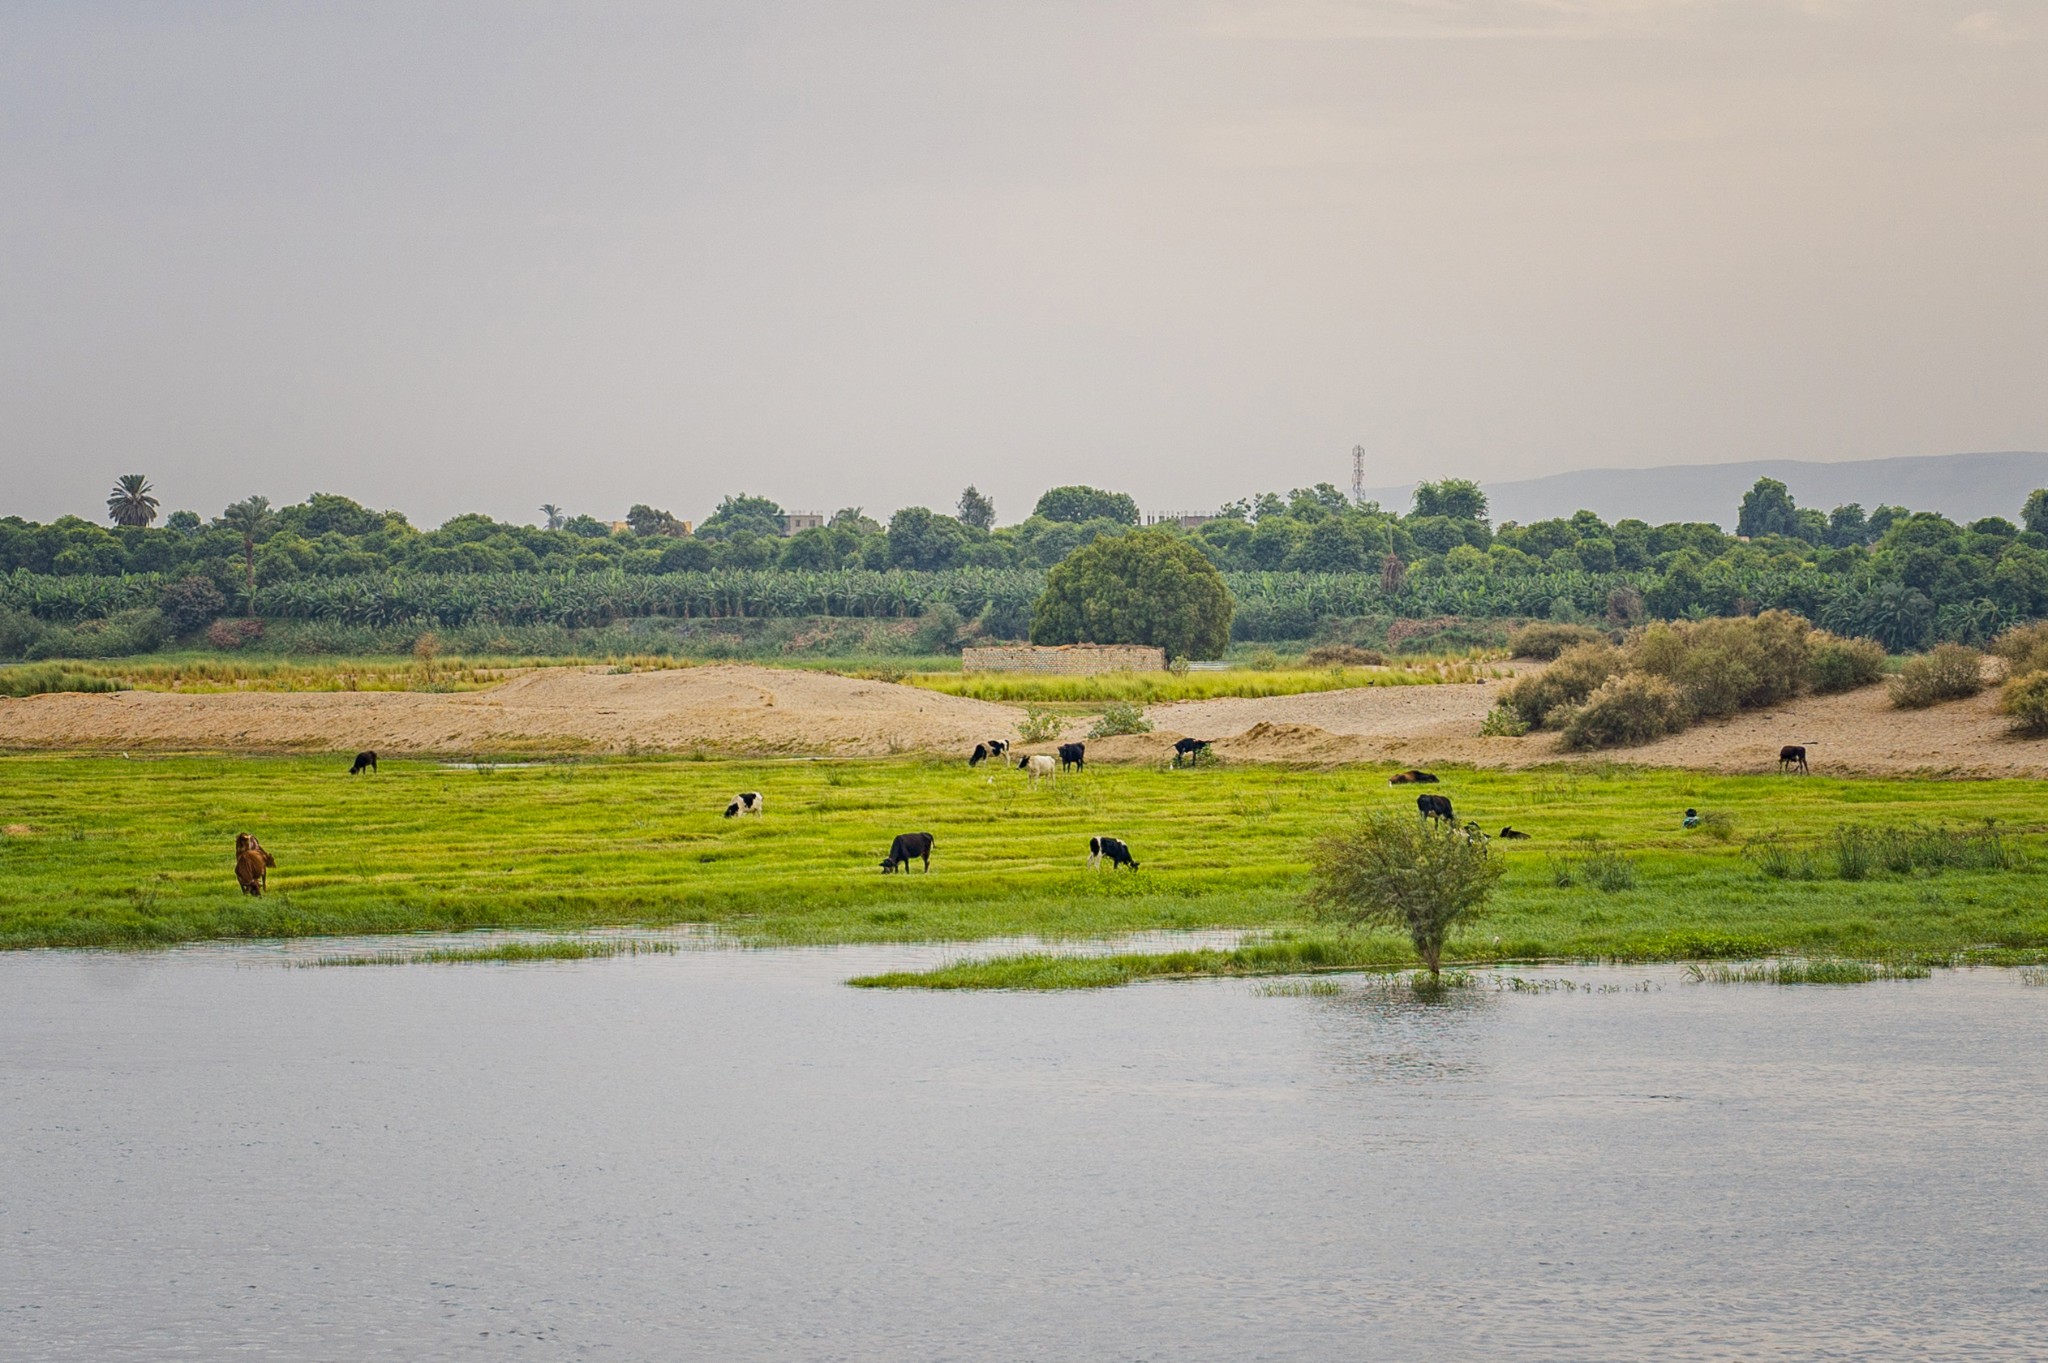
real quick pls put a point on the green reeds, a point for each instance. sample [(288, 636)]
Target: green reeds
[(555, 949)]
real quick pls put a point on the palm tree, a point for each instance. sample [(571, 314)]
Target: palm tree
[(554, 514), (131, 503), (249, 518)]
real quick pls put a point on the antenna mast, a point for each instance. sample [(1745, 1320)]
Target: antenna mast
[(1357, 474)]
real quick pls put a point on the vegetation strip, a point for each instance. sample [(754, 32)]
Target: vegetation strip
[(559, 949)]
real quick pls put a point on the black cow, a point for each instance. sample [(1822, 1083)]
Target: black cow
[(1411, 777), (908, 847), (1435, 807), (1112, 848), (1511, 834), (1072, 755), (1792, 755), (365, 761), (1189, 749)]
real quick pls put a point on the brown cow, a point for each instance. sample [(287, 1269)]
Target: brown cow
[(1792, 755), (252, 863)]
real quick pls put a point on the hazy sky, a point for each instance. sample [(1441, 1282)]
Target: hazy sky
[(451, 257)]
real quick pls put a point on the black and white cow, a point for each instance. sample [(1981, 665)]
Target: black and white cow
[(1111, 849), (1435, 807), (906, 848), (1072, 755), (746, 802), (995, 748)]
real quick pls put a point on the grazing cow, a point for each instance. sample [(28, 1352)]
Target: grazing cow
[(1792, 755), (746, 802), (1435, 807), (978, 756), (1071, 755), (365, 761), (1189, 749), (908, 847), (998, 747), (1411, 777), (252, 864), (1112, 848), (1513, 834), (1037, 767)]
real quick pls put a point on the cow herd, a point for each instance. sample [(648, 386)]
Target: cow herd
[(252, 862)]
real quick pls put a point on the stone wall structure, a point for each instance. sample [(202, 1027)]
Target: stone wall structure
[(1065, 659)]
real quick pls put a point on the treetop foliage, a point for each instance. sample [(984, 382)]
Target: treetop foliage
[(1147, 587)]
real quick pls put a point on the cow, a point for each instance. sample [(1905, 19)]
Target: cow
[(1792, 755), (366, 760), (252, 864), (1411, 777), (1072, 754), (1189, 749), (746, 802), (1435, 807), (996, 748), (908, 847), (1513, 835), (1112, 848), (1039, 766)]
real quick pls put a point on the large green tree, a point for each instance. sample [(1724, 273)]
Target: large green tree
[(1146, 587), (1767, 509), (1458, 498), (1083, 503)]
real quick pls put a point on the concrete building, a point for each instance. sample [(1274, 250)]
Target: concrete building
[(796, 522)]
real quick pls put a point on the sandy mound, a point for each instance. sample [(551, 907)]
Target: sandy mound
[(736, 709)]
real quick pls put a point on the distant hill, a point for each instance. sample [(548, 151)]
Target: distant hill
[(1964, 487)]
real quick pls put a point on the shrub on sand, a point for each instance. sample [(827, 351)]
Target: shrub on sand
[(1950, 672)]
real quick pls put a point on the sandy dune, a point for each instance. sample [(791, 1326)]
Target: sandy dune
[(713, 709), (772, 711)]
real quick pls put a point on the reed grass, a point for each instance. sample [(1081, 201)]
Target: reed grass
[(1161, 687), (553, 949), (1805, 972)]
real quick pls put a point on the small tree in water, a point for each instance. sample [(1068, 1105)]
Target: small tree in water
[(1422, 876)]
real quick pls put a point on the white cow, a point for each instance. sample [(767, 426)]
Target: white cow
[(1039, 768)]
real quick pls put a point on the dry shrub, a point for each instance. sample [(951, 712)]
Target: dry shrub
[(1625, 711), (2025, 701), (2024, 648), (1950, 672), (1547, 639), (1835, 664), (1722, 666), (1343, 655), (1563, 685), (232, 634)]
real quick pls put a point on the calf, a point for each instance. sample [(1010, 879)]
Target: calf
[(1112, 848), (1037, 766), (252, 864), (908, 847), (1071, 755), (1792, 755), (1435, 807), (1512, 834), (365, 761), (1189, 749), (746, 802), (1411, 777)]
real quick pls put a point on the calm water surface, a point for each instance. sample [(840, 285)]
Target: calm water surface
[(728, 1155)]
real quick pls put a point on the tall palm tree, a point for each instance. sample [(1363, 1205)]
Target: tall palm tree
[(249, 518), (554, 514), (131, 503)]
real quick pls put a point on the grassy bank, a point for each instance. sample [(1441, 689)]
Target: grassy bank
[(109, 852)]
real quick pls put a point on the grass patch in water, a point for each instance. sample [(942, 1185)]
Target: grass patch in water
[(1805, 972), (565, 949)]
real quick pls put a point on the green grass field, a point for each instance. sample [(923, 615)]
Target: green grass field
[(109, 852), (1150, 688)]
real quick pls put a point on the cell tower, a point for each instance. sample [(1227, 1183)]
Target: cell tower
[(1357, 474)]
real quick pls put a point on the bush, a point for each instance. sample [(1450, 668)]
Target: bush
[(229, 635), (1950, 672), (191, 604), (1502, 721), (2025, 701), (120, 635), (1835, 664), (19, 632), (1595, 865), (1343, 655), (1546, 639), (1039, 725), (1626, 711), (1564, 684), (1121, 718), (1723, 666), (2024, 648)]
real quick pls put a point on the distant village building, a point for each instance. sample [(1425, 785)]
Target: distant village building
[(1185, 520), (797, 522)]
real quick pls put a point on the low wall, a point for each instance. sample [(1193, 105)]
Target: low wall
[(1070, 659)]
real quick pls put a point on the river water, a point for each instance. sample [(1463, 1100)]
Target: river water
[(729, 1155)]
